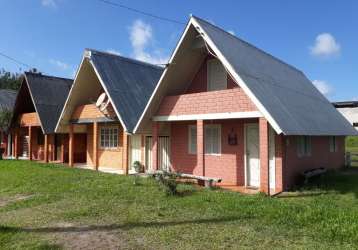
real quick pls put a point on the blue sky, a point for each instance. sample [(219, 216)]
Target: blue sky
[(318, 37)]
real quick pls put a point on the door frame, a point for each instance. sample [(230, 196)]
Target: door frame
[(272, 133), (147, 168), (130, 156), (246, 125)]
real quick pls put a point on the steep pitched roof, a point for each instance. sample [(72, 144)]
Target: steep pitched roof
[(287, 97), (129, 84), (7, 99), (283, 94), (48, 94)]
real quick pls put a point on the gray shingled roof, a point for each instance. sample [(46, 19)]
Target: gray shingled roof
[(49, 95), (292, 101), (7, 99), (129, 83)]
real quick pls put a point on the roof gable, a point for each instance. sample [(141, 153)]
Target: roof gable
[(129, 84), (286, 97), (48, 94), (288, 100)]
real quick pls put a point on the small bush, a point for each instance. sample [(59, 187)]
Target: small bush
[(168, 182)]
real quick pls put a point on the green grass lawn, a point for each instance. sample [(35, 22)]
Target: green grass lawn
[(53, 207)]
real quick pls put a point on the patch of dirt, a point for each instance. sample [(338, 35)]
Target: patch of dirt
[(18, 197), (87, 237)]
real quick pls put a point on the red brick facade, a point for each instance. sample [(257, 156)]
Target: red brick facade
[(320, 157), (229, 165), (221, 101)]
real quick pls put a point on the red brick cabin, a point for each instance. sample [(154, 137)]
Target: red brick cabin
[(37, 108), (235, 112)]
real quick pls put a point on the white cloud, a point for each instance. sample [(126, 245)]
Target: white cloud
[(113, 51), (59, 64), (325, 45), (141, 37), (231, 32), (49, 3), (324, 87)]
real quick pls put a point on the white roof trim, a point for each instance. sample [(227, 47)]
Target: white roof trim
[(161, 77), (105, 89), (69, 94), (238, 79), (213, 116)]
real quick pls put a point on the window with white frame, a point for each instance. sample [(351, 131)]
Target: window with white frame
[(333, 146), (192, 139), (304, 146), (216, 74), (109, 137), (213, 139)]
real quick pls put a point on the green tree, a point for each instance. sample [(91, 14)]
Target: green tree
[(9, 80), (5, 116)]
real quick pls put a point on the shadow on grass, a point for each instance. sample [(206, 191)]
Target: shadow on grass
[(342, 181), (128, 226)]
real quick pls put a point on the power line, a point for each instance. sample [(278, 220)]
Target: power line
[(16, 61), (141, 12)]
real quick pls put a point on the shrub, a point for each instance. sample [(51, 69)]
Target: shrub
[(168, 182)]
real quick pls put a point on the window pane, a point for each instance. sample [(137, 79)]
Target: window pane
[(208, 143), (215, 140), (192, 139)]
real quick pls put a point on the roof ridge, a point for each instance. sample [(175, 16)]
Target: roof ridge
[(131, 60), (249, 44), (47, 76)]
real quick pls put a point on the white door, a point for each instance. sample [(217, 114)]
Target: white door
[(272, 163), (148, 153), (252, 155), (163, 153), (135, 150)]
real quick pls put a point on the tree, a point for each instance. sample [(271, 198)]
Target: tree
[(5, 117), (9, 80)]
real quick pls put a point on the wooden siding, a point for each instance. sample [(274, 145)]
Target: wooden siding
[(29, 119)]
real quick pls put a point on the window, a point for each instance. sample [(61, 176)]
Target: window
[(304, 146), (192, 139), (217, 77), (333, 146), (212, 139), (109, 137)]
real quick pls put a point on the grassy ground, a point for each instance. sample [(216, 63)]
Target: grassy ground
[(53, 207)]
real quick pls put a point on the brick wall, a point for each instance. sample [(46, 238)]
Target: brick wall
[(106, 157), (320, 157), (90, 111), (229, 165), (196, 99), (221, 101)]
